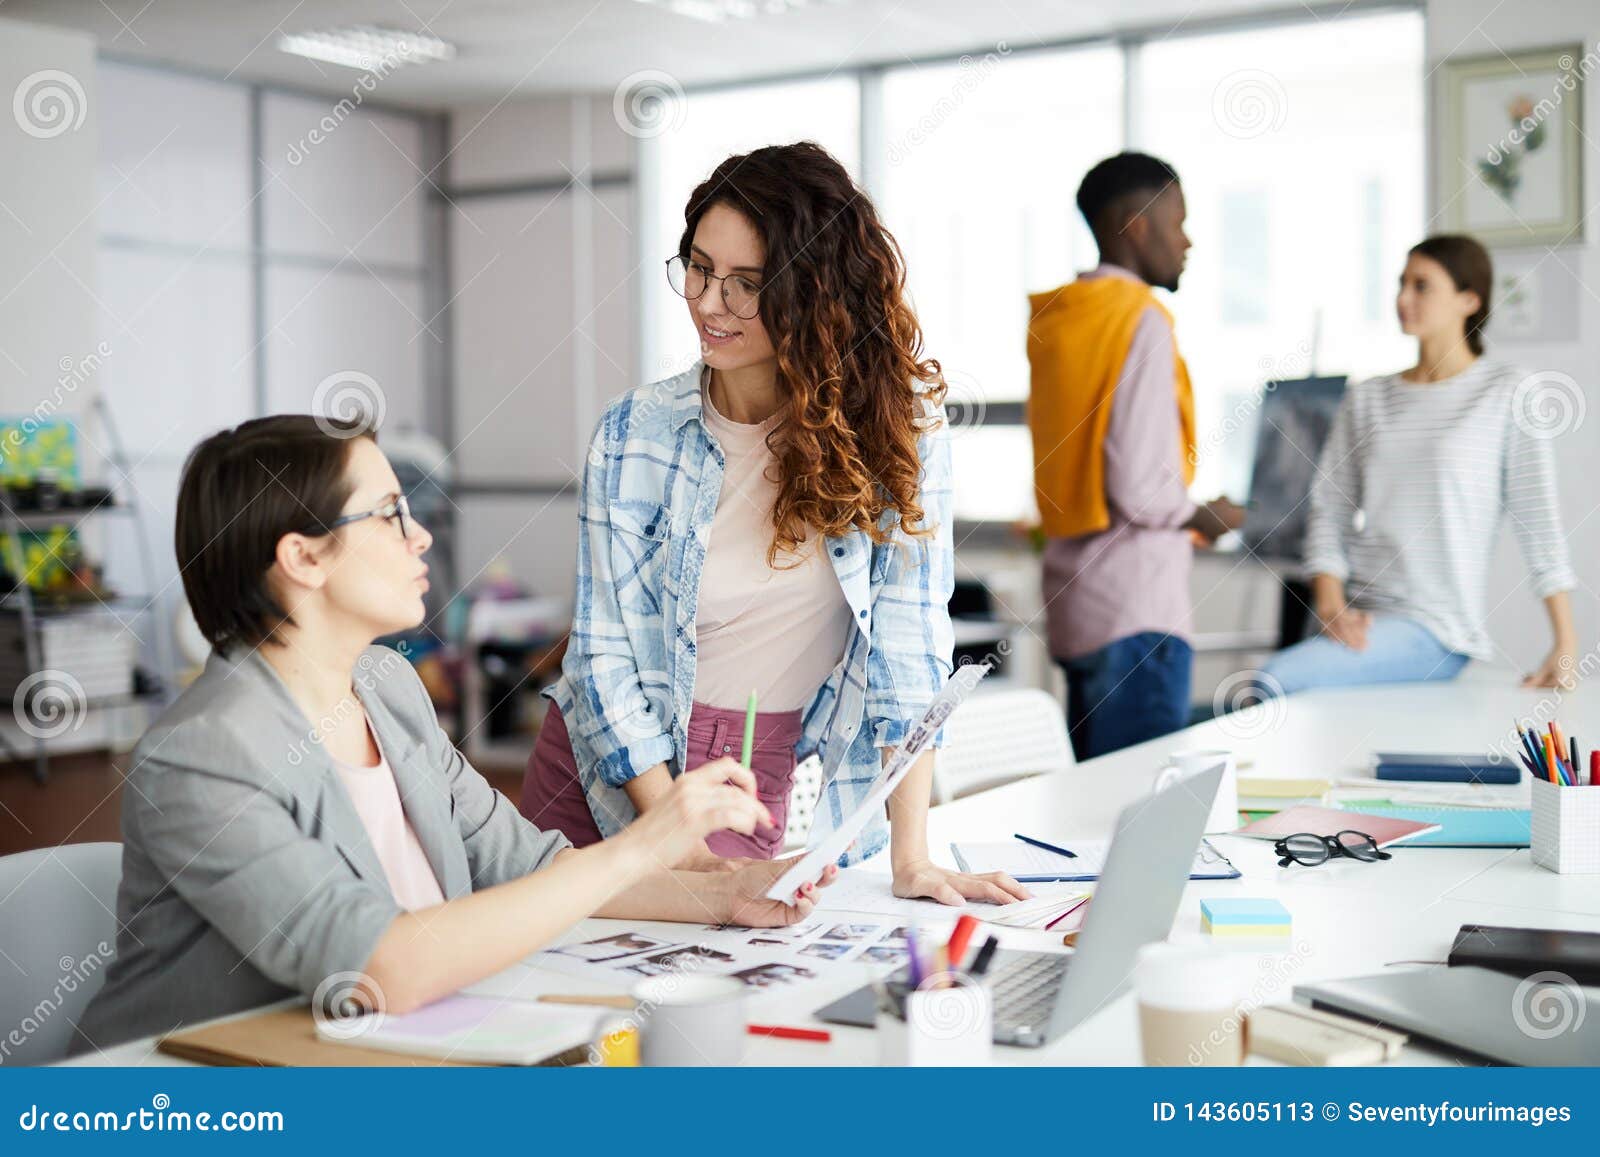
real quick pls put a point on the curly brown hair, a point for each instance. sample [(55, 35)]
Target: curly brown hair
[(849, 348)]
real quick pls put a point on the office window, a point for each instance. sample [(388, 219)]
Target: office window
[(981, 161), (706, 128), (979, 165), (1321, 122), (1246, 269)]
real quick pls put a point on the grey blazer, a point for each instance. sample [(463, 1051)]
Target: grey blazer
[(247, 875)]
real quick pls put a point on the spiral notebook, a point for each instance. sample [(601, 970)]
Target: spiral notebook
[(1028, 864)]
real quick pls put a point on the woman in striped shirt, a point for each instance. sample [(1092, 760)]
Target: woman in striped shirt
[(1409, 493)]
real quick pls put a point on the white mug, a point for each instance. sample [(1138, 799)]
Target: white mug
[(1224, 815), (687, 1020)]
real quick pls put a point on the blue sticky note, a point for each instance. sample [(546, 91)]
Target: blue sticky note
[(1243, 911)]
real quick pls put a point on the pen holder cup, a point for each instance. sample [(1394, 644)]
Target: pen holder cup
[(951, 1026), (1566, 828)]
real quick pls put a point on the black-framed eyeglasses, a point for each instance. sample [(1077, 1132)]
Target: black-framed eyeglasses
[(397, 508), (689, 280), (1310, 849)]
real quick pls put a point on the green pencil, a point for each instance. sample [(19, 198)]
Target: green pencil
[(749, 731)]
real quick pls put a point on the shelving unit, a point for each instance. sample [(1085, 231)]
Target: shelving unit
[(33, 613)]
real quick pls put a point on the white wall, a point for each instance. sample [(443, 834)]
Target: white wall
[(47, 208), (207, 283), (543, 275), (1467, 28), (49, 299)]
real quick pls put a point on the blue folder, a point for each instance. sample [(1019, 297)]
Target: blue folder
[(1461, 827), (1423, 768)]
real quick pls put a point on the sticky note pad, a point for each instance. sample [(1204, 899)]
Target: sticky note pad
[(1244, 918)]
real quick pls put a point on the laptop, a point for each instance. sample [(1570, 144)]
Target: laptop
[(1039, 996), (1533, 1020)]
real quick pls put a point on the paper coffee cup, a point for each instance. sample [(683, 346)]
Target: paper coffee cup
[(1190, 1005)]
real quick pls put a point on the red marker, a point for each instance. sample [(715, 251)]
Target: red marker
[(956, 950), (786, 1033), (1594, 768)]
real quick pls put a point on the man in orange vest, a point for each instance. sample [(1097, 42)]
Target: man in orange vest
[(1112, 417)]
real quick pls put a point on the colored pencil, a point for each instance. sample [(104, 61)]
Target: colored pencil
[(749, 731), (784, 1032)]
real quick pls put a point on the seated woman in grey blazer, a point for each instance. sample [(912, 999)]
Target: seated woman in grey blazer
[(297, 822)]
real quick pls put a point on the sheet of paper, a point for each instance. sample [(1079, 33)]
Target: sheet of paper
[(829, 848), (864, 890)]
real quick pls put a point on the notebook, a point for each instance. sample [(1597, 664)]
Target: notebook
[(1464, 827), (288, 1036), (485, 1029), (1526, 952), (1327, 821), (1400, 765), (1032, 865)]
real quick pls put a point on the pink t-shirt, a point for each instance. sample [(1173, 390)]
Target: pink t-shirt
[(377, 801), (778, 631)]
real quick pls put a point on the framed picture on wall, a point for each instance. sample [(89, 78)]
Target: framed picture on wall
[(1510, 147)]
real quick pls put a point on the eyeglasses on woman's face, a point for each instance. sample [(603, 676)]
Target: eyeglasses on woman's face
[(396, 510), (689, 279)]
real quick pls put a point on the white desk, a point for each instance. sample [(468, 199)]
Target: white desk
[(1350, 917)]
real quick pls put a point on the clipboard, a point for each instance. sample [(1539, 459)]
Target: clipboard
[(1028, 864)]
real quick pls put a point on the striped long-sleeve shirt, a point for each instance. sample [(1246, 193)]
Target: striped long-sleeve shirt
[(1410, 490)]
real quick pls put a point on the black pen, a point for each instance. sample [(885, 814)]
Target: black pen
[(1045, 846), (980, 964)]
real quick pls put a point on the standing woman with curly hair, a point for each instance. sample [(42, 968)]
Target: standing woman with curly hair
[(777, 519)]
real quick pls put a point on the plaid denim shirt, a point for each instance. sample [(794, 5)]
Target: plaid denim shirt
[(650, 488)]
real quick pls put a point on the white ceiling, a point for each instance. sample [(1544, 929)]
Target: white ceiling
[(532, 46)]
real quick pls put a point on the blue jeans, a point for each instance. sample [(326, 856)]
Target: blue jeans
[(1128, 691), (1399, 650)]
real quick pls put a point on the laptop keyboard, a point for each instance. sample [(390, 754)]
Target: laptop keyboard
[(1025, 989)]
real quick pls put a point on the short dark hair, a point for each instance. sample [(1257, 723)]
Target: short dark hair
[(1470, 269), (244, 489), (1117, 177)]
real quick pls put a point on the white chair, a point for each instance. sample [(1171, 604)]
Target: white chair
[(58, 935), (999, 736)]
